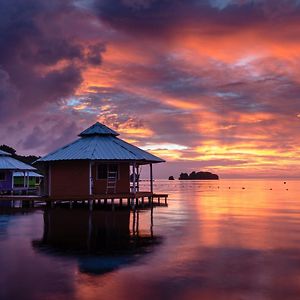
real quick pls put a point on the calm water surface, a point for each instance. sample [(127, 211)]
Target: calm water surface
[(230, 239)]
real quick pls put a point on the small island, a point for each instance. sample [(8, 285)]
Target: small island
[(198, 176), (171, 178)]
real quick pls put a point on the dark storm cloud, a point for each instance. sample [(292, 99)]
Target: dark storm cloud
[(39, 65), (153, 17), (57, 134), (162, 17), (94, 54), (8, 96), (118, 100), (45, 46)]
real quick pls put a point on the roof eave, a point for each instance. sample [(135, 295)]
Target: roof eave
[(112, 159), (19, 170)]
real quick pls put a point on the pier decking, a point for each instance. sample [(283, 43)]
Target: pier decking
[(133, 200)]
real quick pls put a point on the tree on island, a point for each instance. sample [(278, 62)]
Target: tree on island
[(198, 176), (171, 178)]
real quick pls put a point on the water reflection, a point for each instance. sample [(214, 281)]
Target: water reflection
[(218, 243), (101, 241)]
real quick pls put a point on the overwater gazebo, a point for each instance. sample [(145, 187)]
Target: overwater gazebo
[(10, 165), (98, 163)]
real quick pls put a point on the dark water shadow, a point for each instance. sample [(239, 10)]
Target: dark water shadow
[(101, 241)]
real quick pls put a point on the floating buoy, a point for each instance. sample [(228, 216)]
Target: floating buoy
[(243, 188), (284, 182), (271, 189)]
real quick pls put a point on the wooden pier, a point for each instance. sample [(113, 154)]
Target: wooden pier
[(133, 200)]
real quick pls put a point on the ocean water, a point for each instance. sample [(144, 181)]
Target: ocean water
[(227, 239)]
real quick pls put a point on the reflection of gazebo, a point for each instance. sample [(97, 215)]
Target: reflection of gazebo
[(105, 235), (98, 163), (9, 165)]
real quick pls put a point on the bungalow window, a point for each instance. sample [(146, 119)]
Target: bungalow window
[(103, 169), (2, 176)]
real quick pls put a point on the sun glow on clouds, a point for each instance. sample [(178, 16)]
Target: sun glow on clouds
[(164, 147), (208, 119), (218, 84)]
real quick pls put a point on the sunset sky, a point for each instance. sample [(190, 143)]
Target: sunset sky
[(208, 85)]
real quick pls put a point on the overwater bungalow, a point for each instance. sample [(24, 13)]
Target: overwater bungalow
[(97, 163), (8, 166)]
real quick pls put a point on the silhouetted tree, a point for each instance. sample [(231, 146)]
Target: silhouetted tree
[(26, 159), (8, 149)]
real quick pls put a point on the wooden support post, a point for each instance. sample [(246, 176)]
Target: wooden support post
[(12, 183), (151, 220), (137, 178), (121, 201), (137, 222), (133, 223), (90, 205), (89, 232), (90, 179), (151, 178), (113, 204), (128, 201), (134, 177), (24, 182), (27, 182), (49, 180)]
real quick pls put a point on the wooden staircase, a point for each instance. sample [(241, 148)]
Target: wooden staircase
[(112, 178)]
